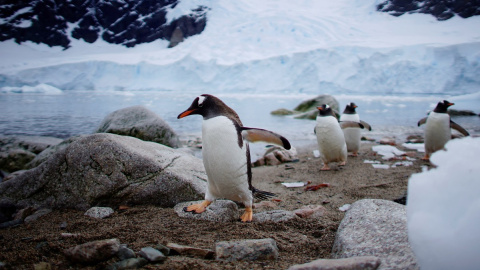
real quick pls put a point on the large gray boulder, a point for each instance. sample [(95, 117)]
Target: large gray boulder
[(109, 170), (17, 151), (139, 122), (308, 109), (375, 228)]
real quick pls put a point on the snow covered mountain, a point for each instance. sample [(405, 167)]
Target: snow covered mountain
[(307, 46)]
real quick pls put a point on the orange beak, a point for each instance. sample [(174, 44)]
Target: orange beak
[(320, 108), (185, 113)]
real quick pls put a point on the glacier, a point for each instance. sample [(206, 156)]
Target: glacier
[(452, 69)]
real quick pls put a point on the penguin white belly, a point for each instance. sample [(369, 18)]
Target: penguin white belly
[(352, 135), (437, 132), (330, 139), (225, 162)]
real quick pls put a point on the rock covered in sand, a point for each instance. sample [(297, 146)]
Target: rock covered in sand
[(107, 169), (379, 228)]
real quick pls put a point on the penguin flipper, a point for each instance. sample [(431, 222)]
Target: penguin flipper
[(458, 128), (422, 121), (351, 124), (366, 125), (262, 135)]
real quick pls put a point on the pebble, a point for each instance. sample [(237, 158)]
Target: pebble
[(125, 253), (99, 212), (131, 263), (247, 250), (152, 255), (353, 263), (191, 251), (37, 214), (93, 252)]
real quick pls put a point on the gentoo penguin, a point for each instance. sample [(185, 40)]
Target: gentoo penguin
[(437, 128), (353, 135), (330, 138), (226, 154)]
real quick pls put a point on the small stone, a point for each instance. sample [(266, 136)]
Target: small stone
[(353, 263), (388, 141), (191, 251), (152, 255), (99, 212), (70, 235), (125, 253), (93, 252), (42, 266), (164, 249), (132, 263), (247, 250), (37, 215), (63, 225), (313, 211)]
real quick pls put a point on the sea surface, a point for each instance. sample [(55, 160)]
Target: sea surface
[(81, 112)]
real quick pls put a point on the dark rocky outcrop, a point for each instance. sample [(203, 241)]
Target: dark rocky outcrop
[(108, 170), (440, 9), (17, 151), (126, 22)]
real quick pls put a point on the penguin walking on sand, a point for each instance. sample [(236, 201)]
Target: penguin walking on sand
[(353, 135), (226, 154), (438, 128), (330, 138)]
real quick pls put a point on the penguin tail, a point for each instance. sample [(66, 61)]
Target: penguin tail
[(262, 195)]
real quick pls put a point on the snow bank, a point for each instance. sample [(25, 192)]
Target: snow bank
[(443, 208)]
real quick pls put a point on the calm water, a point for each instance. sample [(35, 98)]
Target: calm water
[(73, 113)]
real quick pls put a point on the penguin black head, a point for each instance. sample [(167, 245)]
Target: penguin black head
[(350, 108), (325, 110), (443, 106), (209, 106)]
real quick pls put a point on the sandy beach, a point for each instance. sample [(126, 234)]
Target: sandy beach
[(299, 241)]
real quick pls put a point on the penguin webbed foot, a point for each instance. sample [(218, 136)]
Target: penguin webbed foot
[(197, 208), (248, 215), (325, 167)]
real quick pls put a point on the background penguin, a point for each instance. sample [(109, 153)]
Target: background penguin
[(330, 138), (226, 154), (437, 128), (353, 135)]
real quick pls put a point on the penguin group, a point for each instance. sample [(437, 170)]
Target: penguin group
[(226, 152)]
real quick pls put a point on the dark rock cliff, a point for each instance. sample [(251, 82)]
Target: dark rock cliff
[(441, 9), (125, 22)]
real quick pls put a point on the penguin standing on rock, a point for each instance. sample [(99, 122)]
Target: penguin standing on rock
[(226, 154), (330, 138), (353, 135), (437, 128)]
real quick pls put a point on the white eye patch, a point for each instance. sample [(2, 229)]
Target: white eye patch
[(326, 106), (201, 99)]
